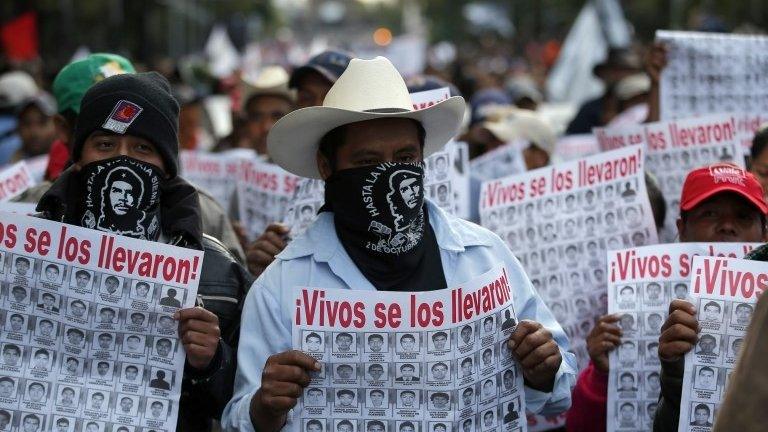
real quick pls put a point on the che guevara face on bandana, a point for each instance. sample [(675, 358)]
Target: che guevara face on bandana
[(388, 210), (122, 197)]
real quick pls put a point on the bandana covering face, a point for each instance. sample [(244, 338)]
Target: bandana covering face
[(380, 219), (122, 197)]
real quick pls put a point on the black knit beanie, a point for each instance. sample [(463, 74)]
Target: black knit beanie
[(132, 104)]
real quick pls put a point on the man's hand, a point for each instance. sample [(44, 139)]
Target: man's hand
[(656, 61), (261, 252), (282, 382), (199, 331), (603, 338), (680, 332), (537, 353)]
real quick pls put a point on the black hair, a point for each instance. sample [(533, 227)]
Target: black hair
[(759, 142), (330, 142)]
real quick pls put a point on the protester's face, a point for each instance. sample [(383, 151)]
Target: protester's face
[(344, 342), (101, 145), (377, 141), (262, 113), (311, 90), (726, 217)]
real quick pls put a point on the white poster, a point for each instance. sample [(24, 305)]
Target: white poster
[(676, 147), (724, 291), (263, 192), (560, 220), (421, 362), (14, 180), (713, 72), (500, 162), (215, 173), (304, 206), (88, 336), (642, 283)]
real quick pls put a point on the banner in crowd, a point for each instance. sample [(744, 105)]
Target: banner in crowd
[(37, 166), (89, 340), (215, 173), (642, 283), (570, 147), (304, 205), (712, 72), (423, 362), (263, 192), (500, 162), (676, 147), (14, 180), (724, 291), (560, 220)]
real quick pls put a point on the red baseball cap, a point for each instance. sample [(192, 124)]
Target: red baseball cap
[(708, 181)]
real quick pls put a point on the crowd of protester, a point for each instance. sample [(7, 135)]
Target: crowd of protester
[(241, 372)]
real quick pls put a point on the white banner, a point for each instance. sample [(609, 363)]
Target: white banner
[(14, 180), (88, 331), (263, 193), (711, 72), (500, 162), (560, 220), (676, 147), (215, 173), (642, 283), (423, 361), (724, 291)]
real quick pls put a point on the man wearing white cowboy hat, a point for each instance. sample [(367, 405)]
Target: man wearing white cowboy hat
[(377, 233)]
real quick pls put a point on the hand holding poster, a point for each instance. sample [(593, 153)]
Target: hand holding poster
[(642, 283), (724, 292), (560, 220), (88, 333), (263, 191), (14, 180), (676, 147), (420, 362)]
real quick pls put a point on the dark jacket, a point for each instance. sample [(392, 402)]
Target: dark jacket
[(668, 411), (222, 287)]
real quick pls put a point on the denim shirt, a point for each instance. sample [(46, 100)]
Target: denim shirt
[(317, 259)]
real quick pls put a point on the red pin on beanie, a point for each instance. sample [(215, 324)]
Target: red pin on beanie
[(705, 182)]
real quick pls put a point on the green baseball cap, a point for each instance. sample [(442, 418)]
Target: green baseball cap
[(77, 77)]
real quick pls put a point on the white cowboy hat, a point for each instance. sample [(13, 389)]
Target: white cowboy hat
[(510, 123), (271, 81), (367, 90)]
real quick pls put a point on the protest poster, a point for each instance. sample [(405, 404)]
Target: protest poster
[(423, 361), (674, 148), (88, 336), (304, 205), (713, 72), (500, 162), (425, 99), (263, 191), (14, 180), (642, 283), (37, 166), (560, 220), (215, 173), (724, 291), (570, 147)]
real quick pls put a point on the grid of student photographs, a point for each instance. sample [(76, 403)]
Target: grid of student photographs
[(85, 350), (452, 379)]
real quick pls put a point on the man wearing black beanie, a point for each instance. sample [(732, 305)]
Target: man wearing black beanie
[(124, 180)]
